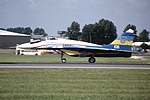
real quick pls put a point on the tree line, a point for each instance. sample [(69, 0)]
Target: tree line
[(27, 31), (103, 32)]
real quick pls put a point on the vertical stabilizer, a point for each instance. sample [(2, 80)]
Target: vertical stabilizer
[(125, 39), (124, 42)]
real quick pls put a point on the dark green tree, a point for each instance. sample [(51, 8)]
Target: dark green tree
[(143, 36), (103, 32), (39, 31), (2, 29), (88, 33), (73, 32), (106, 30), (129, 26), (133, 27), (10, 29), (21, 30), (144, 46), (27, 31)]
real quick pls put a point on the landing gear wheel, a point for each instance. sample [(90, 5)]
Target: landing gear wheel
[(92, 60), (63, 60)]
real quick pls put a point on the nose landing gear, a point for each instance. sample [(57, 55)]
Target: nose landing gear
[(63, 60)]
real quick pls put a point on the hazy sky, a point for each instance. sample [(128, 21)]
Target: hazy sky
[(54, 15)]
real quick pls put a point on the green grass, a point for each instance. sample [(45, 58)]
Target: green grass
[(7, 55), (77, 84), (53, 58)]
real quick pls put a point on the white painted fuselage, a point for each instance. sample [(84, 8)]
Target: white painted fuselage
[(55, 43)]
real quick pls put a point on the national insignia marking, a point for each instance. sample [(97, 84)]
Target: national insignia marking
[(123, 40)]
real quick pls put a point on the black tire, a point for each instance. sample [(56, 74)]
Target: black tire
[(63, 60), (92, 60), (22, 54)]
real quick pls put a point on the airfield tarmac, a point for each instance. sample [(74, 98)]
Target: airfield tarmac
[(73, 66)]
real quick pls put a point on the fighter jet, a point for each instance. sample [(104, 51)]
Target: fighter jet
[(120, 47)]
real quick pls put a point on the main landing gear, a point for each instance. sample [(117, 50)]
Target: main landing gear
[(63, 60), (92, 60)]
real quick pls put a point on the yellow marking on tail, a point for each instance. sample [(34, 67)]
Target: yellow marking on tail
[(119, 42)]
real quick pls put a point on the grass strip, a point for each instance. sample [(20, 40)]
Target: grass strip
[(54, 58), (69, 84)]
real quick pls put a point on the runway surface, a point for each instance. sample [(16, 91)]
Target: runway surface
[(74, 66)]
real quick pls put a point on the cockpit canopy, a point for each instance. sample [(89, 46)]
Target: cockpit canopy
[(42, 39), (49, 38)]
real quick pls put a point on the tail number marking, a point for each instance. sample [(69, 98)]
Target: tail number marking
[(116, 46)]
